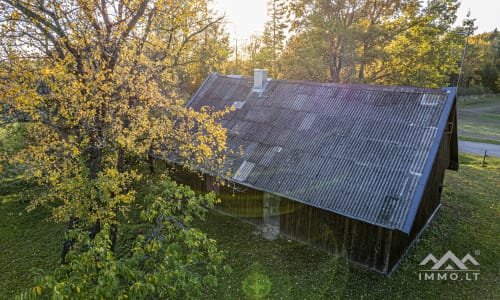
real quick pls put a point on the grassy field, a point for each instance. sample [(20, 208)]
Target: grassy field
[(479, 119), (468, 222)]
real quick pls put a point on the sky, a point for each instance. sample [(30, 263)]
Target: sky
[(247, 17), (243, 17), (486, 13)]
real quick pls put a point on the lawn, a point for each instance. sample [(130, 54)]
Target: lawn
[(479, 119), (29, 242), (468, 222)]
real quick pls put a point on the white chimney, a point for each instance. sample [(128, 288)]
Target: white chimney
[(259, 79)]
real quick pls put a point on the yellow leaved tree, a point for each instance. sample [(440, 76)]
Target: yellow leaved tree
[(96, 82)]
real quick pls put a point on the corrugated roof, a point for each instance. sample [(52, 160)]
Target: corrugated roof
[(357, 150)]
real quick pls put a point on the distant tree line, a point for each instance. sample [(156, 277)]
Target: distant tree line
[(481, 71), (394, 42)]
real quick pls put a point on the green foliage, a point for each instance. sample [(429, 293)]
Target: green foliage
[(12, 181), (12, 140), (482, 62), (274, 36), (98, 82), (389, 42), (208, 53), (172, 261), (473, 90), (426, 52), (301, 61), (263, 51)]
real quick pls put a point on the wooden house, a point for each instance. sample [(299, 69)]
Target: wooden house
[(356, 170)]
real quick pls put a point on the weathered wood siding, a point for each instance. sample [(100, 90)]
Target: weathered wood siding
[(242, 202), (361, 242)]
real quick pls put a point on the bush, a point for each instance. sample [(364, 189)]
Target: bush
[(473, 90)]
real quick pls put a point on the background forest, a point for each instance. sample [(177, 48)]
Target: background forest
[(403, 42)]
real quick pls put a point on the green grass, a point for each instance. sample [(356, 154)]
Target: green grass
[(469, 221), (479, 118), (28, 242), (478, 140)]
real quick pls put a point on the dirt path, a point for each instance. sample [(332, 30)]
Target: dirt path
[(478, 148)]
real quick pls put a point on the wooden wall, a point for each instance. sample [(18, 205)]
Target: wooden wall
[(363, 243), (242, 202)]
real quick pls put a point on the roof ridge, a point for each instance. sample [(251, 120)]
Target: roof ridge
[(357, 86)]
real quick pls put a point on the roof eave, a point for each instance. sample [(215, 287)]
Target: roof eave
[(419, 193), (249, 185)]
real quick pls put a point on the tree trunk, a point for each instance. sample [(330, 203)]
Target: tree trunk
[(94, 165), (113, 235), (361, 74), (151, 160), (68, 244), (335, 68)]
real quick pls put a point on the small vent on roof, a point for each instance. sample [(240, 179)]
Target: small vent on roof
[(244, 170), (238, 104), (268, 156), (307, 122), (429, 99)]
